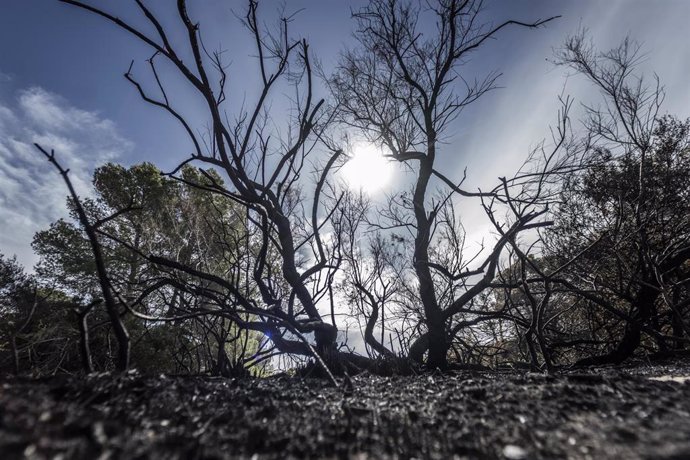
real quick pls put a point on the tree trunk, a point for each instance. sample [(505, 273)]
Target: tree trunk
[(438, 345), (643, 311), (15, 353), (633, 330), (84, 345), (121, 334), (369, 337)]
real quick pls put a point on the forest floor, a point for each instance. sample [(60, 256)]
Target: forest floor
[(615, 412)]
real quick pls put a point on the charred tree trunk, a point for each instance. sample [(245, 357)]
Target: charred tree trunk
[(20, 329), (84, 341), (436, 325), (632, 335), (369, 336), (121, 333), (644, 310)]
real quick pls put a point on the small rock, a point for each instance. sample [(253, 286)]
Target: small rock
[(30, 450), (514, 452), (99, 433)]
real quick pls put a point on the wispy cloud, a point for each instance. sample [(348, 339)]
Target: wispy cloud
[(32, 194)]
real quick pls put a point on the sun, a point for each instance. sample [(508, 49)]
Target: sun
[(367, 169)]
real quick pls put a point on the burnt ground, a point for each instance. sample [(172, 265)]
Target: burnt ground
[(600, 413)]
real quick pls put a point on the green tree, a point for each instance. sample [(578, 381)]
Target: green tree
[(140, 212), (631, 217)]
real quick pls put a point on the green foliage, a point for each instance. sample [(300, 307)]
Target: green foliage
[(628, 222), (38, 324), (608, 205), (139, 211)]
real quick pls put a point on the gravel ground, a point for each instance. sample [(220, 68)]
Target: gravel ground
[(632, 412)]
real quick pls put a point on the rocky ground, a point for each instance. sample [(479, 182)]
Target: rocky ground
[(634, 412)]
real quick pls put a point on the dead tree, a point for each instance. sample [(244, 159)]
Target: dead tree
[(123, 353), (265, 173), (20, 329), (400, 89)]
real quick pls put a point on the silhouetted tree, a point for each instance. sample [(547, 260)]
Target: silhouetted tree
[(264, 173), (90, 228), (402, 88)]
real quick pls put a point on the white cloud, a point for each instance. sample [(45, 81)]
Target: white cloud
[(32, 193), (50, 112)]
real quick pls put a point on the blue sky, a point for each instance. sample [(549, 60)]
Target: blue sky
[(61, 84)]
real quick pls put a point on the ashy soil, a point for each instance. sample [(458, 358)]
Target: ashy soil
[(635, 412)]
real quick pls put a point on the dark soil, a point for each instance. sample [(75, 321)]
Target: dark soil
[(603, 413)]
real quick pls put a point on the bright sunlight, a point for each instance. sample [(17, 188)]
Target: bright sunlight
[(367, 169)]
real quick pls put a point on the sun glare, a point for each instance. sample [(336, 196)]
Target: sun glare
[(367, 169)]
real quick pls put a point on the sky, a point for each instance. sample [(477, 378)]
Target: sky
[(62, 85)]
